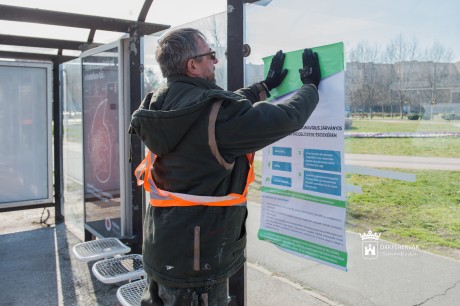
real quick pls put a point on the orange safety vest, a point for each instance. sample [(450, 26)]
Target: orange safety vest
[(163, 198)]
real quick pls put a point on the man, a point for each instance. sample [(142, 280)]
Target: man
[(194, 228)]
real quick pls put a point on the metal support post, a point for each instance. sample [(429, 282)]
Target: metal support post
[(235, 67), (135, 88), (57, 135), (235, 80)]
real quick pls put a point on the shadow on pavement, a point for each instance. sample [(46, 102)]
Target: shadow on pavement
[(38, 268)]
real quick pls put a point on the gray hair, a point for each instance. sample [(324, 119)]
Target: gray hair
[(175, 48)]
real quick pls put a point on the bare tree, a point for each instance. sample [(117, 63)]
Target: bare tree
[(353, 85), (402, 53), (365, 57), (385, 73), (437, 55), (215, 30), (375, 79), (151, 81), (364, 53)]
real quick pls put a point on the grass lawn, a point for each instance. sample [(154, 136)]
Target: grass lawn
[(424, 147), (425, 212)]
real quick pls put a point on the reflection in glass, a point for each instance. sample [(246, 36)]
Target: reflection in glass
[(72, 152), (214, 29), (101, 142)]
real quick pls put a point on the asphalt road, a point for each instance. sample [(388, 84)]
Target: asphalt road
[(403, 162)]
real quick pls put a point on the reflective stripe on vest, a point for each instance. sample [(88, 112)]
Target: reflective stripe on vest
[(163, 198)]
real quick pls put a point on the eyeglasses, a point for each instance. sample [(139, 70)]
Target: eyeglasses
[(212, 54)]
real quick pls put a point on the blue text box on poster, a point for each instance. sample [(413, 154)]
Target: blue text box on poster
[(322, 182), (282, 166), (282, 151), (322, 160), (281, 181)]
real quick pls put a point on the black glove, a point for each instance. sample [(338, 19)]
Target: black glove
[(310, 73), (276, 74)]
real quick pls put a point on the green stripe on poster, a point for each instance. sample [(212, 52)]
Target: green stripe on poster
[(331, 61), (300, 246), (303, 196)]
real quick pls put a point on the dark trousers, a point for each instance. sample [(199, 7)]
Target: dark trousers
[(160, 295)]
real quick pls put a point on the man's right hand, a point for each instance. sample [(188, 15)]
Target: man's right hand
[(310, 73), (276, 73)]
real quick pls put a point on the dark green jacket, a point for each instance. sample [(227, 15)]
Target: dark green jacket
[(200, 134)]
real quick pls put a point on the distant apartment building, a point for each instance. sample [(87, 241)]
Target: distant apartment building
[(405, 87)]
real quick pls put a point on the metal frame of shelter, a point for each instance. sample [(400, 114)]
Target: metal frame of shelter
[(135, 29)]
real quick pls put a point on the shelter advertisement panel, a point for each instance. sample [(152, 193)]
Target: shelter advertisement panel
[(25, 134), (101, 142), (303, 195)]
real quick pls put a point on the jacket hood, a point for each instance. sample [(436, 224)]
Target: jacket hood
[(165, 116)]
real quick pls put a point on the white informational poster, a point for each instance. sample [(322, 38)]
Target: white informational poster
[(303, 188)]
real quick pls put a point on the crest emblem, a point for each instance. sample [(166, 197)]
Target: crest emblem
[(370, 245)]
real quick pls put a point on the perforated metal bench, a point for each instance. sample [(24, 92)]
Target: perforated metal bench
[(115, 267), (118, 269), (131, 294), (98, 249)]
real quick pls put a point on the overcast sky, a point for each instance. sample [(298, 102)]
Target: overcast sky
[(296, 24), (282, 24)]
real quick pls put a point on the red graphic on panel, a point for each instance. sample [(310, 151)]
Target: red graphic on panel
[(100, 146)]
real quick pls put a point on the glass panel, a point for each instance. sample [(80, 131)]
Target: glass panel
[(213, 27), (101, 142), (72, 153), (402, 101), (215, 30), (25, 165)]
